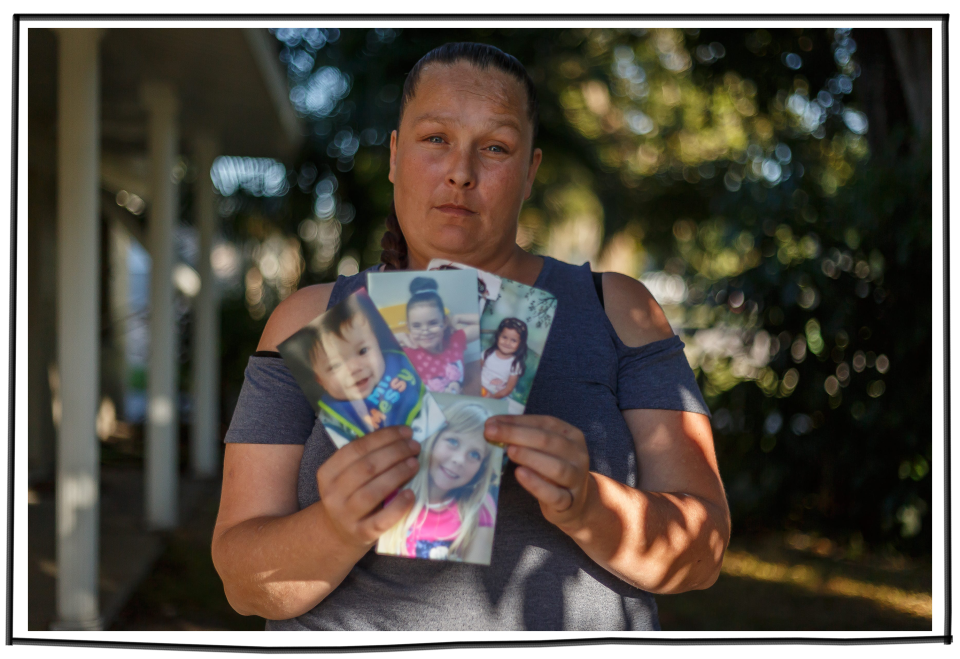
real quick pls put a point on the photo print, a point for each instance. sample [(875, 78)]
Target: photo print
[(488, 285), (356, 376), (434, 317), (513, 333), (456, 488), (515, 320)]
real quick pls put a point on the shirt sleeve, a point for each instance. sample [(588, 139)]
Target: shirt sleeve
[(657, 376), (272, 408)]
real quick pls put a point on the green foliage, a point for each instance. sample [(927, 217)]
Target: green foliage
[(739, 166)]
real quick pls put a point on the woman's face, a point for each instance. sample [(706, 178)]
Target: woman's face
[(456, 459), (509, 341), (461, 162), (425, 324)]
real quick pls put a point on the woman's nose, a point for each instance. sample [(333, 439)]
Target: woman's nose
[(462, 172)]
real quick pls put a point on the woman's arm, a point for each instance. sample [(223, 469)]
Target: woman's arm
[(667, 536), (277, 561)]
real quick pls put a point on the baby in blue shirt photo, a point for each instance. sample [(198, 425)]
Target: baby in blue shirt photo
[(356, 375)]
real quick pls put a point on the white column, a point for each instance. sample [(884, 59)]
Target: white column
[(78, 328), (161, 477), (205, 436)]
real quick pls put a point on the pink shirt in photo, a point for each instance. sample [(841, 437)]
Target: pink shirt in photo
[(439, 525), (441, 369)]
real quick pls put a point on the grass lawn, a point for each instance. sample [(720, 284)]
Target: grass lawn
[(769, 583)]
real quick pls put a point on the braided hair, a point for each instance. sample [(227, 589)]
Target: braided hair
[(393, 243)]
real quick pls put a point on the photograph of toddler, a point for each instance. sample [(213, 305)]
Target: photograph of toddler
[(504, 362), (456, 489), (435, 319), (356, 375), (513, 333)]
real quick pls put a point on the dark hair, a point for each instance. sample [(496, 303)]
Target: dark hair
[(358, 305), (483, 56), (424, 291), (520, 356)]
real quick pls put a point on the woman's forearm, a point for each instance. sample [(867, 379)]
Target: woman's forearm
[(659, 542), (281, 567)]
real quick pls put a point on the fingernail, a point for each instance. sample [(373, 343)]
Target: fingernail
[(414, 445), (406, 431), (412, 462), (492, 427)]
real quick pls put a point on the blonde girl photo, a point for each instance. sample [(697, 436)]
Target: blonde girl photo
[(455, 492)]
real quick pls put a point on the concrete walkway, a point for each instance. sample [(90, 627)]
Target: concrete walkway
[(127, 550)]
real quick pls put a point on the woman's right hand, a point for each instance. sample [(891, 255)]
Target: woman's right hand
[(355, 480)]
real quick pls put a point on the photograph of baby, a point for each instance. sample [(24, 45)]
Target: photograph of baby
[(513, 333), (356, 376), (434, 317), (456, 488)]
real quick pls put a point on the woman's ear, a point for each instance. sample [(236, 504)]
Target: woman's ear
[(531, 173), (393, 155)]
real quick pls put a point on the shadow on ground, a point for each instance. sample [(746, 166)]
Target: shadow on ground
[(767, 586)]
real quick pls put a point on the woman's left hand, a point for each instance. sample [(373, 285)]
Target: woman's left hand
[(552, 462)]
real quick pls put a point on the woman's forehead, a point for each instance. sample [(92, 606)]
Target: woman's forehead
[(461, 83)]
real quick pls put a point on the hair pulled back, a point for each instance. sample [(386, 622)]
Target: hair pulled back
[(424, 291), (483, 56)]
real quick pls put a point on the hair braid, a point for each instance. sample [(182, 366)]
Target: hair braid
[(393, 244)]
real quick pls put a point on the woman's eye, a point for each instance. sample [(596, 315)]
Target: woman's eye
[(475, 455), (453, 441)]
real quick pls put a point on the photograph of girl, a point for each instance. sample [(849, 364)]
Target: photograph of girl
[(435, 319), (456, 489), (356, 376), (513, 333)]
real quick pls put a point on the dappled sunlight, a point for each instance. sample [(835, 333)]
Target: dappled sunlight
[(737, 563)]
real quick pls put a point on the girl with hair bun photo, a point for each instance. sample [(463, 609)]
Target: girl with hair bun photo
[(438, 326)]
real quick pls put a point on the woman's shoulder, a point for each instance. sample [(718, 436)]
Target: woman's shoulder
[(634, 313), (293, 313)]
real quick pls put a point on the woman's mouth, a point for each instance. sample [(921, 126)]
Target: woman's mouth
[(456, 210)]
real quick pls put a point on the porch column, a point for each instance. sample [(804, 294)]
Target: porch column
[(205, 436), (78, 328), (161, 477)]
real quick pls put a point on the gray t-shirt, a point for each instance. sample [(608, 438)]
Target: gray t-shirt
[(538, 578)]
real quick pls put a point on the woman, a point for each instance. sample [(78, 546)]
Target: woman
[(604, 502)]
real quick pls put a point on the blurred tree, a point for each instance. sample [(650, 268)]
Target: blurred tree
[(771, 187)]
